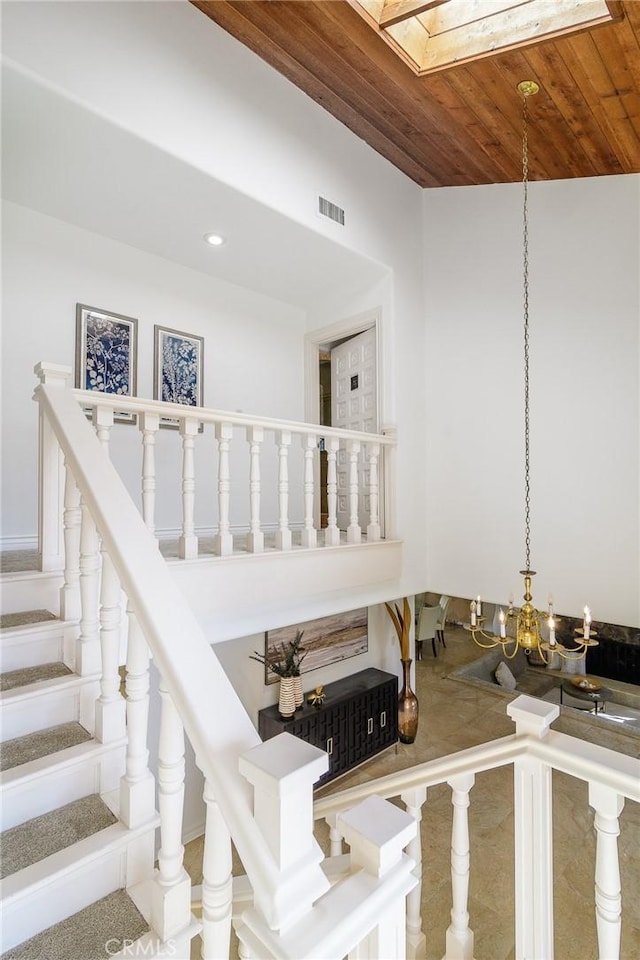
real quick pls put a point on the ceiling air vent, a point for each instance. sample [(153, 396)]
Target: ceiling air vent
[(331, 210)]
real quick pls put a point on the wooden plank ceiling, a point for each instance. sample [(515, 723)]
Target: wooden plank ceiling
[(462, 125)]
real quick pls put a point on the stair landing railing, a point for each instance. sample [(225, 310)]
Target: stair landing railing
[(361, 492), (257, 795), (535, 751)]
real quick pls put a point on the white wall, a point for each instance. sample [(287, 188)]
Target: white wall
[(177, 80), (585, 324), (247, 676), (174, 79), (48, 267)]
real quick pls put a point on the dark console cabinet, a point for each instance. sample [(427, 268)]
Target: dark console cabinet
[(358, 719)]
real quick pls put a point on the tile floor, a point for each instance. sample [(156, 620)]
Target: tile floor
[(455, 715)]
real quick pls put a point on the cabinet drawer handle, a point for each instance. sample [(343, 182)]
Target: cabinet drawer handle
[(330, 746), (370, 725), (383, 718)]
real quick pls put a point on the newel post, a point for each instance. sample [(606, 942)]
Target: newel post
[(533, 834), (283, 771), (377, 832), (51, 476)]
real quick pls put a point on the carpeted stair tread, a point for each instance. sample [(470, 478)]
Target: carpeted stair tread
[(94, 933), (27, 675), (24, 618), (41, 743), (39, 838), (19, 561)]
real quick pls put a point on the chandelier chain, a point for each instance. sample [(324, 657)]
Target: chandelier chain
[(531, 625), (525, 248)]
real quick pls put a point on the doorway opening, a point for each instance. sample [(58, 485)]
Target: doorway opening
[(342, 390)]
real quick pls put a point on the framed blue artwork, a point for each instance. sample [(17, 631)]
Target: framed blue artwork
[(106, 354), (178, 369)]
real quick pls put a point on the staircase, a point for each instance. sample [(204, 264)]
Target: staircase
[(79, 800), (74, 878)]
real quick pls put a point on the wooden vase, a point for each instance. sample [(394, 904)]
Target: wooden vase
[(287, 703), (407, 707)]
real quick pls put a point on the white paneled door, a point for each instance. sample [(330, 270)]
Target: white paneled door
[(354, 392)]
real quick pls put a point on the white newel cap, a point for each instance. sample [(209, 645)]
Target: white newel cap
[(377, 832), (283, 763), (52, 373), (533, 716), (283, 771)]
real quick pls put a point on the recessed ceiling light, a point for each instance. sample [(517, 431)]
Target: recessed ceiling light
[(214, 239)]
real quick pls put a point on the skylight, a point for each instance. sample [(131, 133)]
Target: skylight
[(435, 34)]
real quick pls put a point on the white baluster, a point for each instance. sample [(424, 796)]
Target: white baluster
[(171, 895), (416, 940), (223, 541), (373, 527), (533, 834), (137, 786), (216, 882), (283, 533), (255, 537), (459, 935), (332, 533), (309, 535), (70, 607), (110, 706), (103, 421), (149, 423), (608, 806), (188, 544), (87, 658), (354, 533), (50, 476), (335, 837)]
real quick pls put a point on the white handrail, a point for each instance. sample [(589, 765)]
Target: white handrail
[(218, 727), (486, 756), (94, 398), (577, 758), (535, 750)]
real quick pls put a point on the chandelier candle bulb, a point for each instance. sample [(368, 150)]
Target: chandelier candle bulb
[(503, 629), (552, 631), (473, 613), (478, 606), (587, 622), (550, 606)]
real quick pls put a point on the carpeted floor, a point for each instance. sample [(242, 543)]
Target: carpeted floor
[(25, 617), (28, 675), (41, 744), (39, 838), (17, 561), (94, 933)]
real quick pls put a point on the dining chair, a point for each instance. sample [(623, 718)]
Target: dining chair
[(431, 624)]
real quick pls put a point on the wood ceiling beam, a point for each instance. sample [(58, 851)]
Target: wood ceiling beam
[(400, 10)]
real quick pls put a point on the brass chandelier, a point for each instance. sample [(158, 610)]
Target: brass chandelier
[(528, 620)]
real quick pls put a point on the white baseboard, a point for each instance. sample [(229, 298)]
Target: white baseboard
[(18, 543)]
